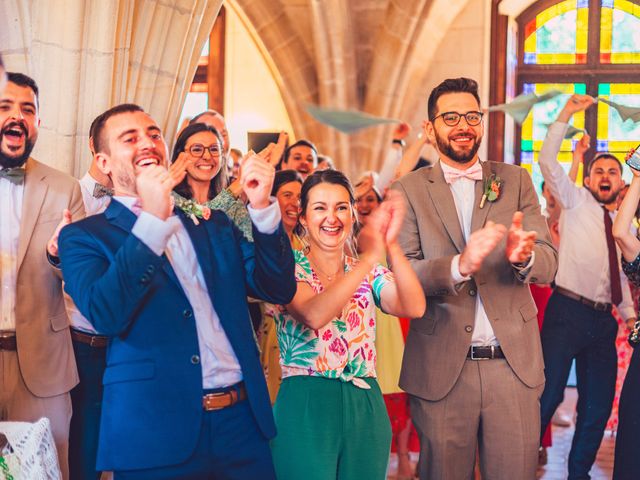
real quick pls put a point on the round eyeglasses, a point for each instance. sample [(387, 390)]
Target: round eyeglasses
[(197, 150), (451, 119)]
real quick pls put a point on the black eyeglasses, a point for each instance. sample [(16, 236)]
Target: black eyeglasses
[(197, 150), (451, 119)]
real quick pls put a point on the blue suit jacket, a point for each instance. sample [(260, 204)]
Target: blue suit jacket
[(152, 403)]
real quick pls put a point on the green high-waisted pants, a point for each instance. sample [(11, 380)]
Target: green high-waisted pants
[(330, 430)]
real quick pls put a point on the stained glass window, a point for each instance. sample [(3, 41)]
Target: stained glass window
[(557, 51), (619, 32), (558, 34), (534, 128), (614, 135)]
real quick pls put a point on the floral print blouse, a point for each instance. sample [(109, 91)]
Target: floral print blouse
[(343, 349)]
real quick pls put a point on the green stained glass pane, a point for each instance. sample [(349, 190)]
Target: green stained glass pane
[(626, 32), (581, 88), (558, 35), (527, 145), (614, 135)]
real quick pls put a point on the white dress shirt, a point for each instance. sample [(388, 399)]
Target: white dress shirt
[(583, 256), (92, 205), (464, 195), (10, 215), (220, 366)]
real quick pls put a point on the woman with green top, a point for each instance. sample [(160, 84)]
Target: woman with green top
[(286, 189), (199, 147), (330, 415)]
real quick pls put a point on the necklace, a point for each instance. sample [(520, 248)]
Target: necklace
[(328, 277)]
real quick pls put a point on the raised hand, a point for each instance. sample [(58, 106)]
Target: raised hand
[(481, 243), (278, 150), (52, 244), (583, 144), (576, 103), (396, 208), (520, 243), (178, 169), (371, 239), (154, 184), (401, 131), (257, 181)]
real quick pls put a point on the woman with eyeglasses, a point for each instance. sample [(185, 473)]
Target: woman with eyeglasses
[(330, 415), (198, 149)]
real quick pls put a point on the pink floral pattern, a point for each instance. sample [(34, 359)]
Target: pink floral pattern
[(345, 347)]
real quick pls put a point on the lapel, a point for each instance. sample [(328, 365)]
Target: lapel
[(200, 240), (445, 206), (120, 216), (479, 216), (35, 189)]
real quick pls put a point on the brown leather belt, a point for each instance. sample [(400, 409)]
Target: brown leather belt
[(8, 341), (220, 400), (599, 306), (97, 341), (485, 353)]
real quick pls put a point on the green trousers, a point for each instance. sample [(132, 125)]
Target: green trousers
[(330, 430)]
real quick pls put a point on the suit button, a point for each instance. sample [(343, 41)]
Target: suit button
[(151, 269), (145, 279), (195, 359), (187, 313), (472, 292), (468, 329)]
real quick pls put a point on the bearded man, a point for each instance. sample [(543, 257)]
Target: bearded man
[(36, 355), (473, 363), (578, 323)]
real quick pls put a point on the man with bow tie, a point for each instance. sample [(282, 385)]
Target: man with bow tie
[(473, 363), (36, 356), (184, 392)]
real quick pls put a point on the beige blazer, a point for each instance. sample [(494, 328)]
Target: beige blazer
[(45, 353), (431, 236)]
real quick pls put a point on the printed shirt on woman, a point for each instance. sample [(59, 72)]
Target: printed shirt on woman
[(343, 349)]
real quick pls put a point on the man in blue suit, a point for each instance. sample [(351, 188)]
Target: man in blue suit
[(184, 393)]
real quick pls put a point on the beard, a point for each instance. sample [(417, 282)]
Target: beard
[(8, 160), (445, 147), (612, 198)]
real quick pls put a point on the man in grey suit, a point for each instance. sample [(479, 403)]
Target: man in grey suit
[(473, 363)]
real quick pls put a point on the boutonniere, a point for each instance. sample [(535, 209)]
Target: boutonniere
[(191, 208), (491, 189)]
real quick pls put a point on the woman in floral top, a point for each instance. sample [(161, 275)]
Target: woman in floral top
[(627, 460), (330, 415)]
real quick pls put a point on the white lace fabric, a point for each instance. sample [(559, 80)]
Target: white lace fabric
[(31, 452)]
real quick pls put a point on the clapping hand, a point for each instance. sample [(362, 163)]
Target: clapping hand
[(52, 244), (395, 209), (520, 243), (178, 169), (257, 180), (481, 243)]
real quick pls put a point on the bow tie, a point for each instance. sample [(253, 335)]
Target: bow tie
[(100, 191), (14, 175), (472, 173)]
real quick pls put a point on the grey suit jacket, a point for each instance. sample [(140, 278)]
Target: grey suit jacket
[(45, 352), (431, 236)]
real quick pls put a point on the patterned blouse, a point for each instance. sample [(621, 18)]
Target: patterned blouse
[(632, 270), (344, 348)]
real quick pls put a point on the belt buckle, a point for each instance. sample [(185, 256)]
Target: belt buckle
[(473, 357), (601, 306), (233, 399)]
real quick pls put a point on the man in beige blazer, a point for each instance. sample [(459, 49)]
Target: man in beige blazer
[(473, 363), (36, 356)]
